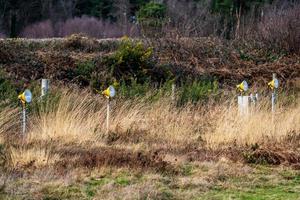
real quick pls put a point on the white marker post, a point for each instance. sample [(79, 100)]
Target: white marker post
[(274, 84), (25, 98), (108, 93), (173, 91), (243, 101), (44, 87)]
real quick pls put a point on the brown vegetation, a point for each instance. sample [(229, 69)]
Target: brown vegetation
[(228, 62)]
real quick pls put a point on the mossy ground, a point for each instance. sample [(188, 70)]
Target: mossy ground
[(207, 180)]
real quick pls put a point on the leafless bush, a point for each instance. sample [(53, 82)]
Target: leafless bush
[(42, 29), (2, 35), (191, 18), (280, 28), (94, 27), (89, 26)]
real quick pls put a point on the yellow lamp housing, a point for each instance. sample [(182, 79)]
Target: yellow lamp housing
[(243, 87), (25, 97), (109, 92), (274, 84)]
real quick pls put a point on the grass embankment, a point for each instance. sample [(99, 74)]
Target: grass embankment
[(155, 149)]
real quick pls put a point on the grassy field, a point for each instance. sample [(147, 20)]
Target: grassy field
[(155, 149), (205, 180)]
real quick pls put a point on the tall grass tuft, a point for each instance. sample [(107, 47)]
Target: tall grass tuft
[(80, 118)]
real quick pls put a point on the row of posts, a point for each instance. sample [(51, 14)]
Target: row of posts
[(243, 101), (26, 97)]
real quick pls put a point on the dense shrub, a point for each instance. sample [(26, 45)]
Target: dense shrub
[(134, 61), (84, 72), (80, 42)]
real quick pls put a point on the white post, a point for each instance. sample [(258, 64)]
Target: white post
[(45, 87), (243, 105), (107, 115), (24, 121), (273, 101), (173, 91)]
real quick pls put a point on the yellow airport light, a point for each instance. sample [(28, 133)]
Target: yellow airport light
[(109, 92), (243, 87), (274, 84), (25, 97)]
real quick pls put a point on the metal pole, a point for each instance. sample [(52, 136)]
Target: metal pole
[(274, 95), (24, 121), (107, 115), (240, 104), (273, 101)]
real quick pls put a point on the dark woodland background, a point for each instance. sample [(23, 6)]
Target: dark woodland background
[(230, 19)]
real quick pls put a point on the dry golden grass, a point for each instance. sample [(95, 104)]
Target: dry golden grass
[(36, 156), (79, 118), (260, 126), (9, 120), (75, 119), (154, 150)]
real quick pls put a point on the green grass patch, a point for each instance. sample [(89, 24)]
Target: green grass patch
[(264, 184), (61, 193)]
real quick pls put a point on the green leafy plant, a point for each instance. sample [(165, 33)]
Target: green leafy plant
[(134, 61)]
